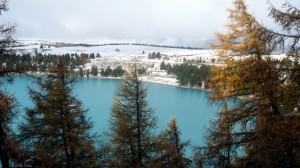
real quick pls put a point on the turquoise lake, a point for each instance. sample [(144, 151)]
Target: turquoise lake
[(190, 107)]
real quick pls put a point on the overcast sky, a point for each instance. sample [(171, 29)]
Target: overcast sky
[(171, 22)]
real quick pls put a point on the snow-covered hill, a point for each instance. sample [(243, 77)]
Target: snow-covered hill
[(117, 52), (113, 55), (113, 52)]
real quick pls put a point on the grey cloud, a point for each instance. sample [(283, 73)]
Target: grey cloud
[(163, 21)]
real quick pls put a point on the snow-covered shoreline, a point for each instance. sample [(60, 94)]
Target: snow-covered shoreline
[(159, 80)]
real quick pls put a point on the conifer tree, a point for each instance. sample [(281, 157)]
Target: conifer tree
[(131, 123), (265, 124), (88, 73), (6, 31), (170, 148), (81, 73), (56, 130), (94, 71), (7, 102), (221, 150), (7, 113)]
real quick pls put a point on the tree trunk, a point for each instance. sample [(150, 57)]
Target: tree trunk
[(65, 141), (138, 115)]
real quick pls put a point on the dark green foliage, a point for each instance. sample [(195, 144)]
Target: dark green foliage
[(39, 63), (81, 72), (92, 56), (94, 70), (88, 73), (158, 56), (154, 55), (102, 72), (163, 65), (188, 74), (118, 71), (42, 68), (107, 72), (167, 67), (142, 71), (157, 45)]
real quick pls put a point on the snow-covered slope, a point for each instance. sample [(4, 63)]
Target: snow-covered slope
[(103, 50), (115, 52)]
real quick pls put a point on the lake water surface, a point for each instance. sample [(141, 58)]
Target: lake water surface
[(190, 107)]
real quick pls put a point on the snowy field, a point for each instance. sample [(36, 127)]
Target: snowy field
[(122, 52), (110, 50), (113, 55)]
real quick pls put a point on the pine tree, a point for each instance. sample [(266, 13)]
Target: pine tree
[(108, 71), (158, 55), (56, 130), (81, 72), (170, 148), (102, 72), (6, 31), (88, 73), (7, 102), (118, 71), (153, 55), (7, 113), (265, 124), (94, 71), (131, 123), (221, 151)]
